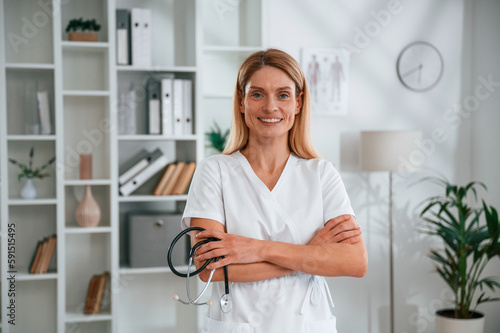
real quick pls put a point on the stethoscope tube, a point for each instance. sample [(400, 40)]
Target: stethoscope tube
[(225, 301)]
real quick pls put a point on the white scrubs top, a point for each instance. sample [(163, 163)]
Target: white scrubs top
[(307, 195)]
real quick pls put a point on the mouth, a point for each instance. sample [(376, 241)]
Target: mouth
[(270, 120)]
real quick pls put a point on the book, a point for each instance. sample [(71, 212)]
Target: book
[(89, 301), (134, 165), (187, 115), (168, 190), (167, 175), (167, 95), (143, 176), (184, 180), (47, 254), (136, 23), (36, 258), (123, 37), (97, 293), (178, 107), (146, 52)]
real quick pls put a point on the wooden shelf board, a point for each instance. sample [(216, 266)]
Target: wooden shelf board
[(35, 277), (156, 137), (83, 182), (146, 198), (80, 230), (149, 270), (80, 317), (30, 137), (29, 202), (186, 69)]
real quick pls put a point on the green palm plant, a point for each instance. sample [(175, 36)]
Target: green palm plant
[(469, 245), (28, 170), (216, 138)]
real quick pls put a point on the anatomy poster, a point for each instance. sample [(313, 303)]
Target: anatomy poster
[(327, 72)]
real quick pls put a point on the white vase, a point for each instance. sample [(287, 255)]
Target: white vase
[(88, 212), (455, 325), (29, 190)]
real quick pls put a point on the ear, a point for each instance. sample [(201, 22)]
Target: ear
[(242, 104), (299, 103)]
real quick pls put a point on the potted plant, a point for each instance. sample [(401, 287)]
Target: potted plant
[(82, 30), (29, 172), (470, 232), (216, 138)]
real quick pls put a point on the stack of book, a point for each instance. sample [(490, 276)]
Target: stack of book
[(139, 169), (175, 179), (97, 293), (170, 105), (43, 255)]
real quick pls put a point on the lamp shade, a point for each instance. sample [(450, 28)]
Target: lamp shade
[(388, 150)]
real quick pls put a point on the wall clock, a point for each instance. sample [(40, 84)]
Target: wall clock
[(420, 66)]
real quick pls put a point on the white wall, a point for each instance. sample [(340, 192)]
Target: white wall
[(378, 101)]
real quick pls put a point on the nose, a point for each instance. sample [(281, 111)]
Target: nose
[(270, 105)]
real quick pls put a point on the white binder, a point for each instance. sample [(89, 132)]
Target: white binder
[(178, 106), (167, 95), (187, 119), (143, 176), (147, 59), (136, 23), (122, 36)]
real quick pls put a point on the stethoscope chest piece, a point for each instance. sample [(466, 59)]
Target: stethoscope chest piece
[(226, 304)]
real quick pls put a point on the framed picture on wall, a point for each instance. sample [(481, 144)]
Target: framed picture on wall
[(327, 72)]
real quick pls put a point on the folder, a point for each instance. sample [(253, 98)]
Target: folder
[(184, 180), (178, 107), (169, 188), (147, 58), (44, 112), (122, 37), (167, 95), (143, 176), (165, 179), (136, 35), (154, 106), (187, 119), (134, 165)]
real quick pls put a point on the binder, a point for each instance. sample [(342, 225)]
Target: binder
[(136, 164), (136, 22), (178, 106), (154, 106), (122, 37), (143, 176), (44, 112), (147, 58), (167, 95), (187, 119)]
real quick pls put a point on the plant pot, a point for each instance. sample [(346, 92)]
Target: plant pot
[(82, 36), (29, 190), (446, 324)]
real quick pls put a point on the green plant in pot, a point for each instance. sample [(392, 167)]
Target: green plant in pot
[(82, 30), (470, 231), (217, 138)]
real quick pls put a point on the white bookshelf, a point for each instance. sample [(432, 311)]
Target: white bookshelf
[(191, 41)]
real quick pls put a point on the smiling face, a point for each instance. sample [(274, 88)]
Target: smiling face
[(270, 104)]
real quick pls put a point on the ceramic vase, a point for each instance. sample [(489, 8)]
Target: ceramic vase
[(446, 324), (29, 190), (88, 212)]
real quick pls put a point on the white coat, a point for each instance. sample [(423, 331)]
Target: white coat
[(308, 194)]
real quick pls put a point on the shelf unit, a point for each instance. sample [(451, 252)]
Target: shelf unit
[(192, 39)]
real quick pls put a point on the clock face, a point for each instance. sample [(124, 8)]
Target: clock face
[(420, 66)]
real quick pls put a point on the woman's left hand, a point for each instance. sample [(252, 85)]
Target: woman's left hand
[(234, 249)]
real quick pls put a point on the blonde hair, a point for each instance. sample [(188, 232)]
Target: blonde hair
[(299, 138)]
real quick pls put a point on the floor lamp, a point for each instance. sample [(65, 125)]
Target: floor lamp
[(389, 151)]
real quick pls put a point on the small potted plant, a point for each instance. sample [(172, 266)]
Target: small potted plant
[(29, 172), (82, 30), (470, 233), (217, 139)]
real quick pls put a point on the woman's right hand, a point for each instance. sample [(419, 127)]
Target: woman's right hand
[(341, 229)]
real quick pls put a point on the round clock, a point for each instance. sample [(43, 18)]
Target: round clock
[(420, 66)]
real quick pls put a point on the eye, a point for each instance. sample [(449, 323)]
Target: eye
[(283, 95), (257, 95)]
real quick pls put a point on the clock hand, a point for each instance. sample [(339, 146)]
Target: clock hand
[(420, 72), (411, 71)]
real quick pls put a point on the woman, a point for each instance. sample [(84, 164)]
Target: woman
[(281, 213)]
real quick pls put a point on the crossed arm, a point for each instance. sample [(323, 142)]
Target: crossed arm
[(336, 250)]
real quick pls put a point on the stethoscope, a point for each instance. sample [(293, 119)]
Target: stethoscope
[(225, 301)]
